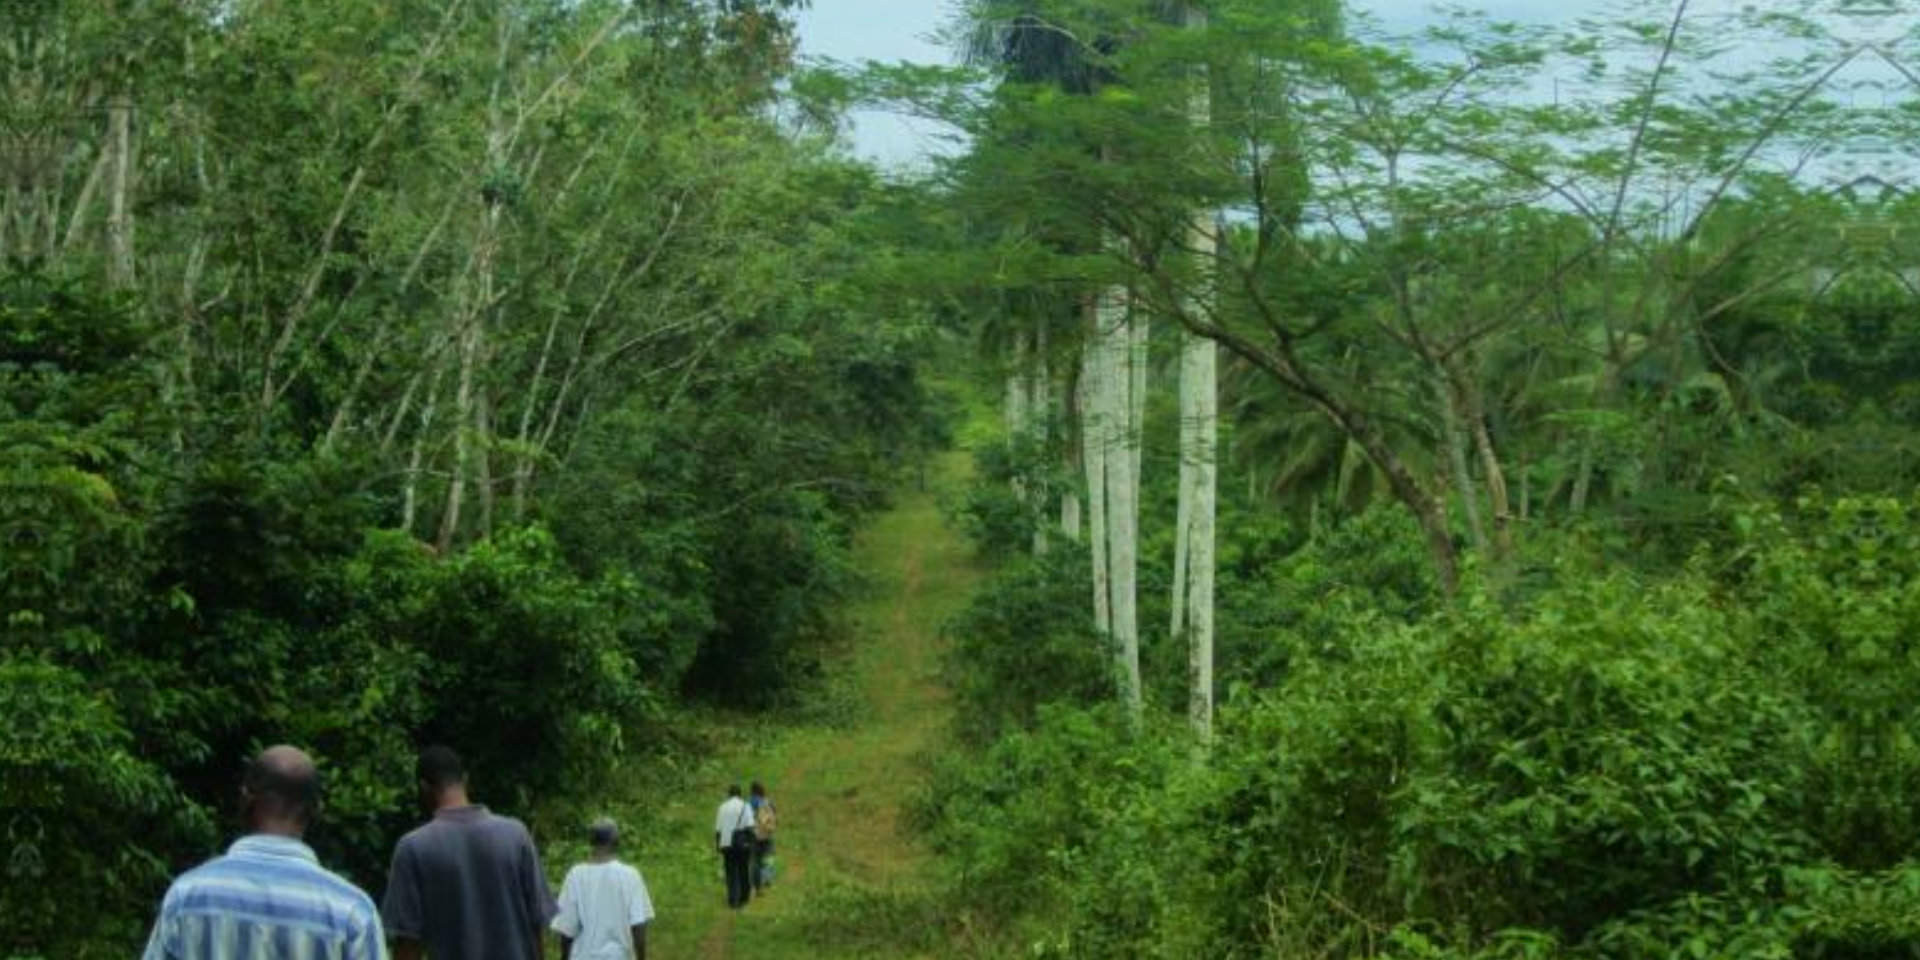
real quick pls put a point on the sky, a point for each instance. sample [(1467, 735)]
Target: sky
[(849, 31), (891, 30)]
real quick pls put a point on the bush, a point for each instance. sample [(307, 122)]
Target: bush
[(1026, 640), (1717, 762), (1020, 827), (525, 671), (79, 803)]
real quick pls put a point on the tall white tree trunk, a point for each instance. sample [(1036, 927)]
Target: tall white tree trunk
[(1199, 477), (1183, 506), (1121, 383), (1095, 444), (1199, 426), (1073, 406)]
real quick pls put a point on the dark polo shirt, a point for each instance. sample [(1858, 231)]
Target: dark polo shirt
[(469, 886)]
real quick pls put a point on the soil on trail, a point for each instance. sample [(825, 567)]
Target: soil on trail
[(842, 785)]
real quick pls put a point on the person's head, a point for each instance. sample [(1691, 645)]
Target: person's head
[(442, 776), (603, 835), (758, 789), (733, 789), (280, 792)]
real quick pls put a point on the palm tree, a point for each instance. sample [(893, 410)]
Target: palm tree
[(1030, 47)]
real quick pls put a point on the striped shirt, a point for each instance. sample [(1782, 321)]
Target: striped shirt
[(267, 899)]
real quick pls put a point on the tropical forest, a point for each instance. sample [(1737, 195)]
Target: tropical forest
[(1306, 479)]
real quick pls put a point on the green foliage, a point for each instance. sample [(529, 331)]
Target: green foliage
[(1717, 759), (1024, 641), (523, 663), (496, 375), (78, 802), (1022, 825)]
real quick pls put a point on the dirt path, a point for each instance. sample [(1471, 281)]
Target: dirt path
[(843, 787)]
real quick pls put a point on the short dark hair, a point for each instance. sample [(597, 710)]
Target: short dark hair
[(290, 784), (733, 789), (440, 767), (757, 789), (603, 834)]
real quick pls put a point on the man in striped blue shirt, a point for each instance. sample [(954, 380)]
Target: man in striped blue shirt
[(268, 898)]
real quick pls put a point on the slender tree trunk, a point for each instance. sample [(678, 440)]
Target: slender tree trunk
[(1498, 498), (120, 256), (1183, 507), (1124, 344), (1204, 367), (463, 429), (410, 492), (1095, 445), (1138, 346), (1199, 440), (1018, 393), (1582, 476), (483, 485), (1526, 490), (1040, 419), (1018, 398), (469, 438), (523, 465), (1073, 425), (82, 212), (1453, 435)]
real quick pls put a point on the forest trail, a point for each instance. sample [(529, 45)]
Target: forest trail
[(842, 782)]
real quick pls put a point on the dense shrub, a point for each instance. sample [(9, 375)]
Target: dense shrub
[(176, 595), (1717, 763), (1021, 826), (1026, 639), (79, 802)]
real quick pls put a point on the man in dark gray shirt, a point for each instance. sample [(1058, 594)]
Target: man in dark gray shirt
[(467, 885)]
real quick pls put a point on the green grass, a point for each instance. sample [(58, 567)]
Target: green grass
[(852, 880)]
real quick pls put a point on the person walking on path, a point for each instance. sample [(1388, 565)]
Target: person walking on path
[(269, 892), (765, 818), (733, 835), (604, 907), (468, 884)]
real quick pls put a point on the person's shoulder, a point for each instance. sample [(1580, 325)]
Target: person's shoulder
[(414, 838), (510, 826), (207, 871), (489, 820), (346, 891)]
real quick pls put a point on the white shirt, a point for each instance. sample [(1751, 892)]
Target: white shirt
[(600, 904), (733, 815)]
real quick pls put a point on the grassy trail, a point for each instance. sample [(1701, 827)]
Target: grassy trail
[(841, 787)]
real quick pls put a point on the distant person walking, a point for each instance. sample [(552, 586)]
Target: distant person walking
[(604, 907), (268, 895), (765, 819), (733, 835), (467, 885)]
